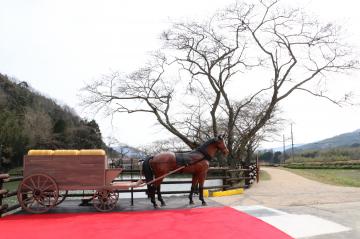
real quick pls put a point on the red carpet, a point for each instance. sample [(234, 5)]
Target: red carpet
[(209, 223)]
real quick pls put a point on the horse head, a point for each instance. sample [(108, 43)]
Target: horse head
[(220, 144)]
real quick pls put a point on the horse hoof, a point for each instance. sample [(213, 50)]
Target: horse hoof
[(156, 206), (204, 203), (163, 204), (191, 203)]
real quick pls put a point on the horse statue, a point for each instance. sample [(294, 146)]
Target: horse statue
[(195, 162)]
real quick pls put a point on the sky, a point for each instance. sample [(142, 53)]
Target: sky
[(58, 46)]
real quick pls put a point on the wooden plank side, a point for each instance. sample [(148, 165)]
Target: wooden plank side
[(111, 174), (69, 171)]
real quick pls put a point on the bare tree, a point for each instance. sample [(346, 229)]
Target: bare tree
[(214, 62), (173, 144)]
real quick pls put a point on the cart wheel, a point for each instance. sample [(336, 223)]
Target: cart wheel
[(105, 199), (62, 197), (38, 193)]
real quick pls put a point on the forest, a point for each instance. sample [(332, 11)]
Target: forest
[(29, 120)]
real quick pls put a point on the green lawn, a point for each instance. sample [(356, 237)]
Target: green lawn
[(341, 177)]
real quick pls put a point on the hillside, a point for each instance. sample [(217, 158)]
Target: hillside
[(29, 120), (350, 139)]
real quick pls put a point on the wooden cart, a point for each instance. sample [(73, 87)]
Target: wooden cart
[(50, 174)]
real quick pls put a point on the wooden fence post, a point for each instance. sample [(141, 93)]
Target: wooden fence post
[(224, 180), (2, 192)]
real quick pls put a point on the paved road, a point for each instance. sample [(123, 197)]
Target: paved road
[(297, 195)]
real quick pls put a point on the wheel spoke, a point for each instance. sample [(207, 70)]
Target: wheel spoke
[(29, 199), (38, 182), (32, 202), (49, 186), (49, 193), (33, 183), (27, 186), (43, 184)]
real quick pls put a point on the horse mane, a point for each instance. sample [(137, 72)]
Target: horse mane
[(203, 147)]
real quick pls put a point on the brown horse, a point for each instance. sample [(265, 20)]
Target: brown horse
[(196, 162)]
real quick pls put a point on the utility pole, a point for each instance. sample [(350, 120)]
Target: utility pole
[(284, 148), (292, 144)]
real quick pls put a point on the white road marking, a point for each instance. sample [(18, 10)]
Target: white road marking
[(295, 225)]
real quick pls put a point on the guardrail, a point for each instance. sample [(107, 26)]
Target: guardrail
[(231, 178)]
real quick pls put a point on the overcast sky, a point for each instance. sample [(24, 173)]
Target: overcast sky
[(58, 46)]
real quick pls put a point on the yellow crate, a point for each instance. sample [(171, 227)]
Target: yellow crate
[(92, 152), (40, 152), (66, 152)]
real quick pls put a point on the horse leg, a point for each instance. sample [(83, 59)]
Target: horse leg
[(151, 190), (159, 195), (193, 186), (201, 189)]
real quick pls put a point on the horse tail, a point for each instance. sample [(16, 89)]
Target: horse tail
[(147, 171)]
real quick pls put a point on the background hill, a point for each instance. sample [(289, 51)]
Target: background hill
[(351, 139), (29, 120), (341, 151)]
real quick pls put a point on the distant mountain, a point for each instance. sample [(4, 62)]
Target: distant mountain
[(342, 140), (287, 147)]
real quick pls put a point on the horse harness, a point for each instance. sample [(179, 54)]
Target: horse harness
[(186, 159)]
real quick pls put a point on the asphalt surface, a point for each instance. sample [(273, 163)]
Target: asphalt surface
[(124, 205)]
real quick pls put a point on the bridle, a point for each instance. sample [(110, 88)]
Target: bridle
[(206, 155)]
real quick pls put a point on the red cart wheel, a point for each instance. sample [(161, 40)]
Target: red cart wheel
[(105, 199), (38, 193)]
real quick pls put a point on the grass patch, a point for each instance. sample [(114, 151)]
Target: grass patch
[(15, 171), (11, 186), (340, 177), (353, 164), (264, 175)]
